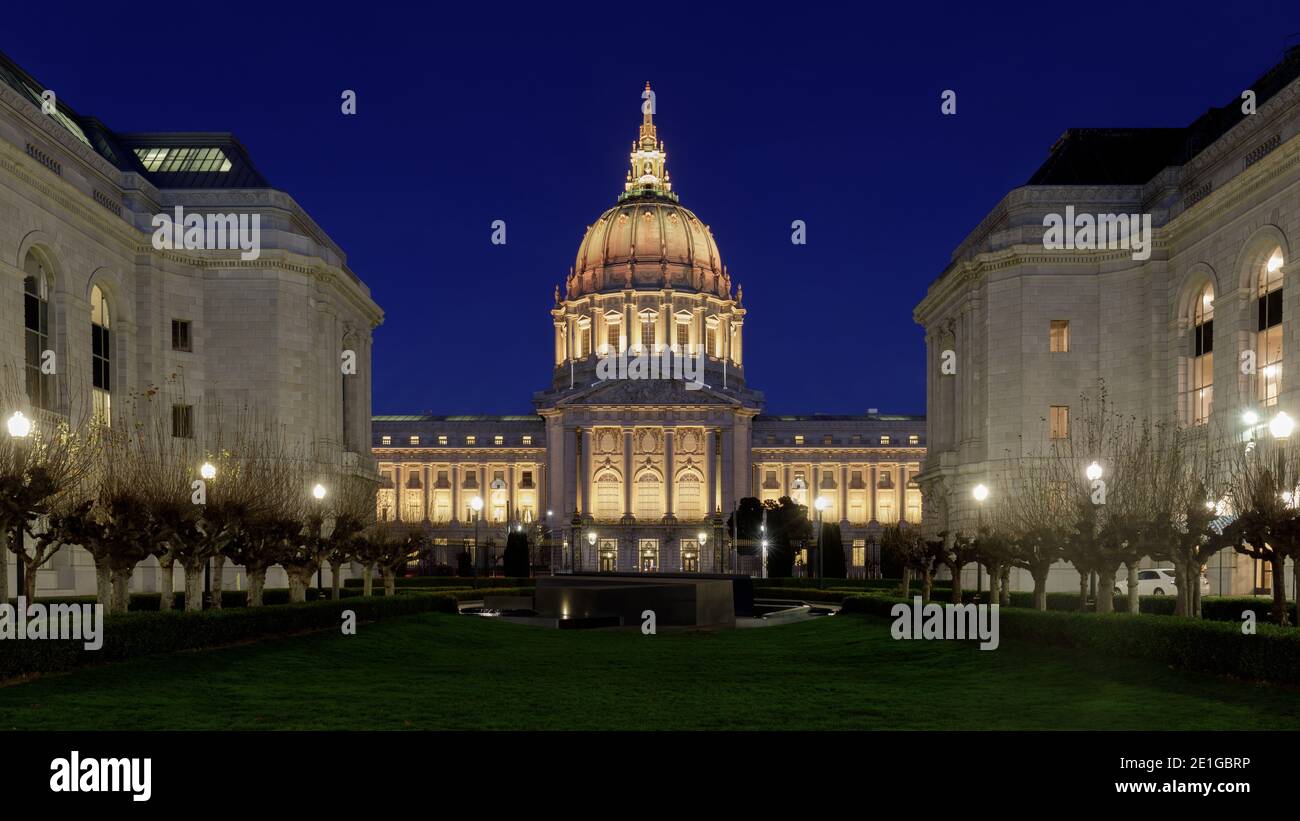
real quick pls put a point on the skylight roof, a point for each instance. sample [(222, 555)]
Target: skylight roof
[(171, 160)]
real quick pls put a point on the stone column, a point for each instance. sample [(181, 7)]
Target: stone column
[(902, 492), (717, 470), (627, 471), (844, 492), (512, 496), (707, 491), (670, 470), (586, 471), (455, 493), (577, 473), (428, 492), (398, 477), (872, 487)]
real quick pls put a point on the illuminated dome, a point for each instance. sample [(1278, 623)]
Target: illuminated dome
[(648, 240)]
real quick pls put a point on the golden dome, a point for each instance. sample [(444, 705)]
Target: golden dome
[(648, 240)]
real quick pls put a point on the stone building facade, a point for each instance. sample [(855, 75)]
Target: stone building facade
[(615, 472), (1029, 328), (81, 277)]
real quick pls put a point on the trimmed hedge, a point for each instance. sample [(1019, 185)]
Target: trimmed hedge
[(445, 582), (1272, 654), (148, 602), (141, 634)]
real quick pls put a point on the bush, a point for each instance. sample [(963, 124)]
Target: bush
[(450, 582), (149, 602), (1272, 654), (141, 634)]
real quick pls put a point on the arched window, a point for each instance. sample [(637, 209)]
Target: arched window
[(101, 351), (690, 497), (649, 496), (1268, 346), (1201, 383), (36, 330), (608, 493)]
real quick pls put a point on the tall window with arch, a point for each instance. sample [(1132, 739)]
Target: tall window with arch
[(1268, 346), (649, 493), (1201, 383), (36, 331), (690, 496), (101, 349)]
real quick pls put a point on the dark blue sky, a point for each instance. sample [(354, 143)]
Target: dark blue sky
[(769, 114)]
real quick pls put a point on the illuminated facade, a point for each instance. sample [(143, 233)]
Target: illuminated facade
[(1199, 332), (634, 470)]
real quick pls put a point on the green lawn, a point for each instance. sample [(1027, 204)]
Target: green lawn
[(458, 672)]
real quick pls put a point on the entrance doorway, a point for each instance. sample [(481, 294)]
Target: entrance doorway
[(649, 552)]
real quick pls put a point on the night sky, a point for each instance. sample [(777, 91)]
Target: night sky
[(769, 114)]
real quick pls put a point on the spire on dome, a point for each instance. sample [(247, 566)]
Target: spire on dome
[(648, 176)]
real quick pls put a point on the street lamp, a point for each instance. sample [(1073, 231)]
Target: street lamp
[(476, 505), (1281, 426), (318, 491), (980, 492), (20, 427), (1250, 418), (591, 540), (764, 544), (209, 472), (821, 503), (1093, 472)]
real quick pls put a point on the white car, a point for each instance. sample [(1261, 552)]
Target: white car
[(1157, 582)]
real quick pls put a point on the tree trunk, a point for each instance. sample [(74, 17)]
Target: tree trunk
[(1134, 600), (1004, 595), (1040, 586), (995, 582), (1295, 576), (218, 569), (29, 578), (1083, 591), (390, 581), (193, 585), (121, 581), (927, 584), (166, 582), (1106, 590), (298, 581), (256, 583), (336, 568), (4, 564), (907, 583), (956, 583), (368, 579), (103, 584), (1280, 615), (1182, 602), (1196, 590)]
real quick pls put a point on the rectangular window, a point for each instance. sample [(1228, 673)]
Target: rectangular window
[(884, 440), (584, 341), (1059, 421), (183, 421), (648, 333), (828, 440), (442, 440), (798, 438), (415, 440), (526, 479), (683, 339), (1059, 336), (471, 440), (611, 336), (181, 335), (498, 440), (711, 341), (913, 439), (385, 440), (859, 552), (528, 440)]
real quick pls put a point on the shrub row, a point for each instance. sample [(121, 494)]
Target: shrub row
[(141, 634), (149, 602), (1272, 654), (444, 582), (1213, 608)]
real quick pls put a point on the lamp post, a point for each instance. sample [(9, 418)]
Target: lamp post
[(820, 503), (318, 493), (591, 539), (209, 472), (980, 492), (702, 538), (476, 505), (20, 427), (548, 537)]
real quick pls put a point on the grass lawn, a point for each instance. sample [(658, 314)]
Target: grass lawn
[(456, 672)]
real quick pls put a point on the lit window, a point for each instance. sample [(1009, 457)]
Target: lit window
[(498, 440), (442, 440), (859, 552), (609, 497), (36, 323), (649, 493), (913, 439), (884, 440), (612, 333), (1268, 346), (711, 339), (648, 332), (1202, 376), (528, 440), (690, 497), (471, 440), (683, 335), (180, 160), (415, 440), (827, 439), (1059, 421), (798, 438), (101, 350), (385, 440), (181, 335), (1059, 336)]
